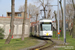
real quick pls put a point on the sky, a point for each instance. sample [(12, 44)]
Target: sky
[(5, 5)]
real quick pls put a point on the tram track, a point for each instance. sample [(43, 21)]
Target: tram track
[(48, 43)]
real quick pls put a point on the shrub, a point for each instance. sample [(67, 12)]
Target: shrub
[(1, 33)]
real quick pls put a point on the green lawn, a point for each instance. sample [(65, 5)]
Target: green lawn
[(17, 44), (69, 40)]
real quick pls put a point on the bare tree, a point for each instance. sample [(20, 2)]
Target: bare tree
[(21, 8), (24, 20), (37, 13), (62, 17), (73, 33), (49, 14), (56, 22), (32, 10), (70, 14), (44, 5), (11, 22)]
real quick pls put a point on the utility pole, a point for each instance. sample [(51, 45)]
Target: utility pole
[(58, 18), (64, 22)]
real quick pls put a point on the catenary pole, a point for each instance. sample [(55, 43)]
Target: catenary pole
[(64, 22), (58, 17)]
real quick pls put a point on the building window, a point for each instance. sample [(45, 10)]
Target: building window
[(19, 15), (10, 14)]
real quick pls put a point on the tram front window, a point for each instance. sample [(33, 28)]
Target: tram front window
[(46, 27)]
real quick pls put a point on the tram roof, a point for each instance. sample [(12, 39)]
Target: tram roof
[(45, 20)]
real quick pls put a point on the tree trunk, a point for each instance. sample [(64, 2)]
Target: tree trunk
[(11, 22), (36, 17), (24, 20), (44, 13), (71, 31), (73, 34), (49, 14), (36, 22), (69, 27), (62, 18), (56, 24)]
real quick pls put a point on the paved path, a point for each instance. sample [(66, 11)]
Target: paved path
[(39, 44)]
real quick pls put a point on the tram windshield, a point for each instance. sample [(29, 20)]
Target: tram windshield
[(46, 27)]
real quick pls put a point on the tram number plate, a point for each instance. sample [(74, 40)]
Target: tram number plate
[(47, 34)]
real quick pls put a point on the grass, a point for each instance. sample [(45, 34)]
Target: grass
[(17, 44), (69, 40)]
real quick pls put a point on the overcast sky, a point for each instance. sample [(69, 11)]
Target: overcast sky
[(5, 5)]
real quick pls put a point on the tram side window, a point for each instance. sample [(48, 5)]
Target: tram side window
[(39, 28), (51, 27), (35, 29), (30, 29)]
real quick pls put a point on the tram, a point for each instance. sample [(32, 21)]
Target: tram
[(43, 28)]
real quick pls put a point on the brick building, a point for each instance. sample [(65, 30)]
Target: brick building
[(18, 14), (18, 20)]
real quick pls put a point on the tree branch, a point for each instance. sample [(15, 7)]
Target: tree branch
[(42, 3)]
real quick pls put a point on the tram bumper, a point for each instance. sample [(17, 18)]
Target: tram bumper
[(46, 33)]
